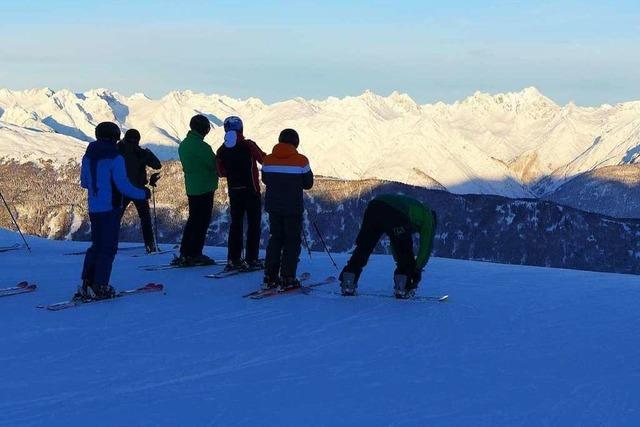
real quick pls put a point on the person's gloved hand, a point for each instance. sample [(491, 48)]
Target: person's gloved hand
[(147, 193), (153, 181)]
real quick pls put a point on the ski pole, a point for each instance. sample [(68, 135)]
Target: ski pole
[(306, 242), (153, 182), (155, 218), (15, 222), (325, 245)]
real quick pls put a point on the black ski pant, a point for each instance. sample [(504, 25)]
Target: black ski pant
[(381, 218), (283, 249), (144, 212), (195, 231), (244, 202), (98, 261)]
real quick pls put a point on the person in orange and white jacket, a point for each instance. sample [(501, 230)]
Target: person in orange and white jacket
[(286, 174)]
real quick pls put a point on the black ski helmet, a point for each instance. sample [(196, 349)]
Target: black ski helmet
[(289, 136), (132, 136), (108, 130), (200, 124), (233, 123)]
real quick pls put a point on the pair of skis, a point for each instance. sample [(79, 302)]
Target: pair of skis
[(128, 248), (20, 288), (13, 247), (146, 254), (222, 274), (148, 288), (162, 267), (437, 298), (308, 286)]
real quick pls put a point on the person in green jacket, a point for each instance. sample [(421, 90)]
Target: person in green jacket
[(201, 181), (398, 217)]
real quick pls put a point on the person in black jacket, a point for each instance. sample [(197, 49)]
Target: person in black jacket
[(286, 173), (137, 160), (237, 160)]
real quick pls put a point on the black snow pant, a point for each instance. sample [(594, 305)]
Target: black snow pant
[(380, 218), (98, 261), (283, 249), (244, 202), (142, 206), (195, 231)]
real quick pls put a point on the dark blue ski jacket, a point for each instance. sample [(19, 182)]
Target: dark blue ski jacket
[(104, 175)]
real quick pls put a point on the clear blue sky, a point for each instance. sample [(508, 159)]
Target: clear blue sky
[(586, 51)]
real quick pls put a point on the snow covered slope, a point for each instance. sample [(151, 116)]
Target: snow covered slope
[(501, 144), (31, 145), (513, 346)]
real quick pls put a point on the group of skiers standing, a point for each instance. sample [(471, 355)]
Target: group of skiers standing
[(114, 174)]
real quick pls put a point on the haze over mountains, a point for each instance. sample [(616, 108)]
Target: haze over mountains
[(515, 144)]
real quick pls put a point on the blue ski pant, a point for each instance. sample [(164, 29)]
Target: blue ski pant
[(98, 261)]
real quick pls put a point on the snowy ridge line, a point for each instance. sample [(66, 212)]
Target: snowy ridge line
[(514, 144)]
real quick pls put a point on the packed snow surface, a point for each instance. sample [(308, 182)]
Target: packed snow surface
[(513, 346)]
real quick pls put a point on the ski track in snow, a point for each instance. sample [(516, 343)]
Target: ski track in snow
[(513, 346)]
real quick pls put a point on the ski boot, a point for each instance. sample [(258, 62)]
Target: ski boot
[(237, 265), (348, 284), (92, 292), (255, 265), (104, 292), (289, 283), (151, 248), (200, 260), (270, 282), (402, 287), (179, 261), (84, 292)]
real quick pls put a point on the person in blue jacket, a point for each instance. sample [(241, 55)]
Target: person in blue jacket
[(104, 176)]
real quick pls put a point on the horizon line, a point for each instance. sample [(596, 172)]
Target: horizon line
[(328, 98)]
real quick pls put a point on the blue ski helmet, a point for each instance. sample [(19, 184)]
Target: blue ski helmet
[(233, 123)]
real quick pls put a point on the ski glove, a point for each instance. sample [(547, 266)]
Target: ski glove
[(153, 181)]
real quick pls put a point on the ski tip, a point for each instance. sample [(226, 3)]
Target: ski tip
[(443, 298)]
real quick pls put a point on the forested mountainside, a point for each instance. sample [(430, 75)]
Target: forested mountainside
[(610, 190), (49, 202)]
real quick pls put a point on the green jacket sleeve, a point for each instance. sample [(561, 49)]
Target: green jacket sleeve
[(208, 158), (427, 233)]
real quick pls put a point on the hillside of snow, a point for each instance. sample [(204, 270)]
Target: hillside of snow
[(512, 144), (31, 145), (512, 346)]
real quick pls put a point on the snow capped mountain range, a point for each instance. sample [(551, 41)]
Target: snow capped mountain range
[(514, 144)]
